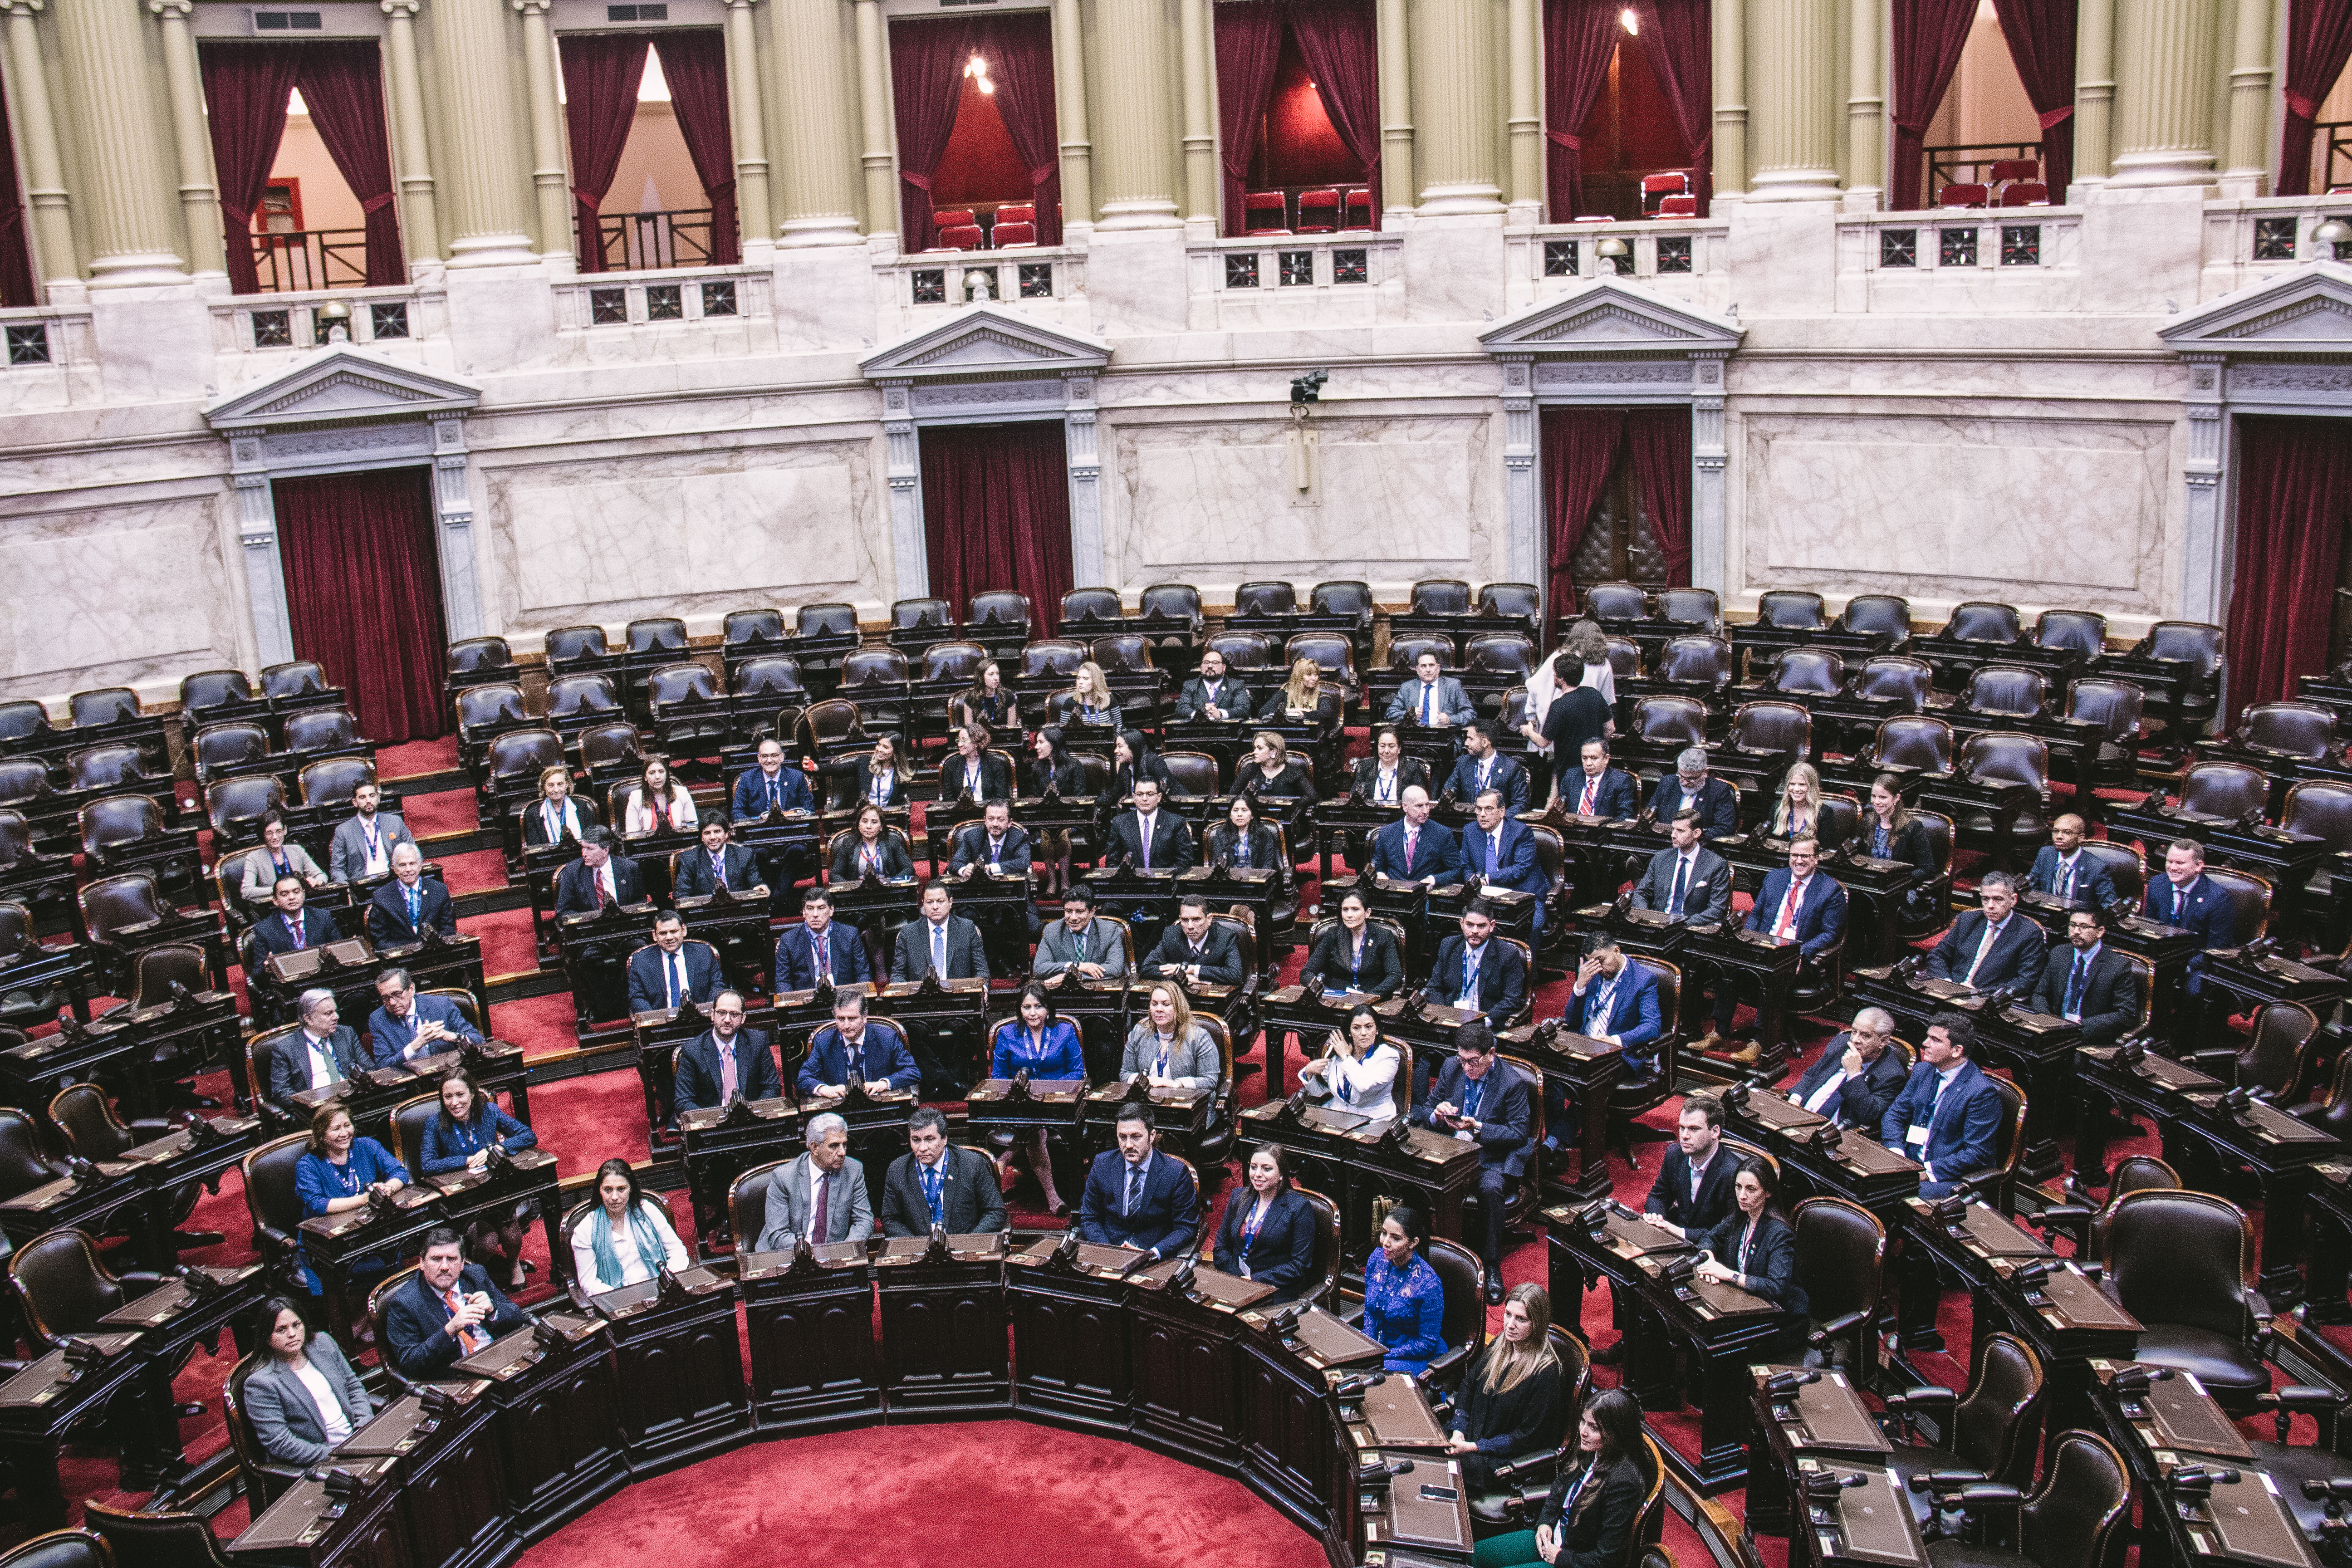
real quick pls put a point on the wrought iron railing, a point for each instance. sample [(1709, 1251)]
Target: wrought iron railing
[(1970, 163), (639, 242), (304, 260)]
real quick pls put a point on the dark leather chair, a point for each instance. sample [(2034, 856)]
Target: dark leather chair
[(154, 1538), (331, 781), (65, 1289), (1343, 597), (25, 781), (313, 729), (27, 1006), (1403, 652), (1323, 1268), (1983, 621), (1053, 660), (219, 750), (1771, 730), (1792, 609), (747, 1206), (209, 689), (1841, 1265), (568, 644), (378, 1295), (1441, 596), (1799, 670), (1092, 604), (128, 831), (957, 662), (2011, 691), (295, 679), (2195, 647), (2332, 1112), (2074, 631), (1697, 662), (104, 705), (1175, 601), (1194, 772), (2277, 1063), (1910, 746), (479, 657), (235, 807), (1992, 1432), (1266, 598), (92, 1130), (2117, 707), (911, 615), (2228, 790), (1616, 602), (1624, 658), (1332, 653), (1516, 599), (108, 767), (1504, 653), (1000, 607), (582, 698), (834, 728), (63, 1549), (673, 684), (744, 633), (407, 1125), (774, 675), (686, 682), (1669, 723), (2251, 896), (2183, 1264), (23, 1165), (2087, 1224), (1464, 1326), (1892, 677), (2076, 1520), (825, 620), (1690, 607), (2288, 732), (488, 715), (649, 634), (21, 718), (2124, 867), (1519, 1486), (1124, 652), (608, 752), (276, 1207)]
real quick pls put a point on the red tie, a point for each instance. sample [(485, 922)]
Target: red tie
[(603, 893), (473, 1339), (1787, 924), (1591, 786), (1412, 837)]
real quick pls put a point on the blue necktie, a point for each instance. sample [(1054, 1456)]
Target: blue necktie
[(718, 868), (1681, 883), (931, 1194), (1428, 698), (413, 921), (773, 799), (677, 982), (1134, 1181), (2074, 984), (1470, 976), (1472, 1096), (940, 950)]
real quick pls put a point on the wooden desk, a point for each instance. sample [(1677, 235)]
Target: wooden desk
[(1393, 1423), (337, 1246), (810, 1323), (450, 1478), (559, 1420), (1855, 1166), (1071, 1358), (1185, 1347), (169, 1319), (723, 1142), (1825, 1417), (2037, 1049), (527, 1175), (1372, 1159), (308, 1527), (94, 1204), (39, 1404), (681, 1366), (945, 1348), (1870, 1524)]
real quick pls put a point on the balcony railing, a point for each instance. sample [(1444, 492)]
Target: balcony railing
[(647, 242), (1970, 163), (303, 261)]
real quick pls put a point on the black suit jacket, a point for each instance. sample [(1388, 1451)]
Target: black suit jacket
[(972, 848), (896, 861), (1234, 699), (967, 955), (1172, 840), (971, 1200), (1504, 1113), (845, 948), (2015, 959), (2111, 994), (1860, 1102), (1282, 1254), (415, 1322), (272, 935), (1617, 793), (996, 779), (697, 1086), (387, 916), (575, 886), (289, 1061), (1718, 807), (534, 820), (1411, 770), (1502, 976), (1503, 774), (693, 880), (1670, 1194), (649, 988), (1220, 960), (1383, 966)]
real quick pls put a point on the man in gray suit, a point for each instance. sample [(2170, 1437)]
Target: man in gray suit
[(1078, 941), (794, 1212), (1431, 698), (364, 843), (1687, 881), (323, 1051)]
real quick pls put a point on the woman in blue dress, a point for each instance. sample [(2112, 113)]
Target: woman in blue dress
[(1045, 1047), (341, 1171), (1404, 1301)]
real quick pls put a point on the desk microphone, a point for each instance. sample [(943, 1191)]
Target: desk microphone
[(2033, 1275), (2136, 1379), (1826, 1484), (2198, 1480), (1789, 1381), (1347, 1388), (1387, 1471), (1680, 1270), (1283, 1323)]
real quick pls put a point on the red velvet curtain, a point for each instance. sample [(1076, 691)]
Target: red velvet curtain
[(1249, 45), (246, 88), (1579, 43), (601, 75), (2318, 42), (1928, 37), (2295, 499), (1578, 449), (996, 513), (2040, 38), (694, 63), (1336, 38), (926, 62), (1018, 50), (1660, 442), (16, 257), (364, 587), (1678, 40), (342, 87)]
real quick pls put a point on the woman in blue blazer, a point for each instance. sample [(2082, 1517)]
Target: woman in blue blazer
[(340, 1171), (1756, 1249), (1045, 1047), (460, 1138), (1268, 1234)]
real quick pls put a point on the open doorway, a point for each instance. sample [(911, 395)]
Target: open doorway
[(653, 159)]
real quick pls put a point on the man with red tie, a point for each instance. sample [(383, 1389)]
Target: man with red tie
[(1799, 905), (599, 880), (716, 863), (1416, 849), (820, 948), (1596, 789), (727, 1059), (447, 1311)]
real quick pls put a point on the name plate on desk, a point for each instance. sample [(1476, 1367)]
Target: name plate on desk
[(50, 1377), (288, 968), (1092, 1258), (512, 1355), (1631, 1235), (306, 1511), (1859, 1151), (1825, 1413), (168, 1300)]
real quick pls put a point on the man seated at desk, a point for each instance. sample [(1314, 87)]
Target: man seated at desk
[(445, 1311), (820, 948), (1499, 852), (2091, 984), (1686, 880), (1616, 1000), (1480, 1099), (1149, 838), (1799, 905), (2062, 871), (1384, 777), (2186, 898), (946, 945), (769, 787), (1135, 1197), (1693, 1192), (1213, 694), (1432, 698), (673, 970), (1000, 845), (290, 928), (406, 1026), (1080, 942), (597, 881), (409, 905), (935, 1185), (854, 1049), (1855, 1077), (1198, 951), (1477, 972), (1415, 850), (1596, 789), (365, 841), (820, 1195), (717, 864), (1948, 1113), (1691, 789), (1481, 767), (725, 1060), (320, 1053), (1993, 949)]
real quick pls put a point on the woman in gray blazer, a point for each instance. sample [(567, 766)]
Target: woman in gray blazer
[(278, 857), (302, 1397), (1168, 1047)]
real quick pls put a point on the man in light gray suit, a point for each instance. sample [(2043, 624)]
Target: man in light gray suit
[(1431, 698), (1688, 881), (363, 844), (1077, 940), (793, 1211)]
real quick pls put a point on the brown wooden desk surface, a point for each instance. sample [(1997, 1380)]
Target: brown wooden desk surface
[(900, 1251), (2252, 1524), (396, 1428), (1826, 1413), (168, 1300), (294, 1519), (1326, 1341), (1399, 1415), (1215, 1288), (2073, 1302), (1875, 1523), (2175, 1413), (1990, 1234), (1413, 1520), (833, 1255), (512, 1355)]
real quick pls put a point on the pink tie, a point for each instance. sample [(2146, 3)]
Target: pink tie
[(1411, 836), (726, 1072), (1591, 786), (1787, 924)]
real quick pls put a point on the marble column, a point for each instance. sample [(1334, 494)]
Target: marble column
[(45, 180), (2205, 534), (1392, 37), (909, 548), (491, 217), (1526, 113), (1070, 109), (879, 156), (1796, 120), (199, 201), (1087, 568), (2245, 171), (749, 121), (819, 173), (453, 508), (1710, 567), (1522, 484), (550, 184), (420, 223), (1200, 180), (256, 529), (132, 235), (1865, 108), (1139, 164), (1728, 26), (2094, 92), (1453, 98), (2164, 93)]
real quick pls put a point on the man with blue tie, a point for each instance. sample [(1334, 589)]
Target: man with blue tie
[(717, 864), (820, 948), (2063, 872), (1481, 767), (2091, 984), (1135, 1198), (1948, 1114), (854, 1049), (407, 1025), (408, 906), (935, 1186), (1617, 1000), (292, 928), (1415, 850), (1686, 880), (1476, 971), (769, 787), (1799, 905), (946, 945), (1993, 949), (1499, 852), (673, 970), (2185, 896), (1431, 700), (1479, 1099)]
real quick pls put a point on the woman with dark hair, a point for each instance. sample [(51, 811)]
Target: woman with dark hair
[(1404, 1301), (1512, 1401), (1045, 1047), (870, 849), (341, 1170), (1357, 954), (460, 1138), (1052, 771), (988, 701), (659, 804), (881, 776), (302, 1395), (277, 857), (1595, 1501), (1132, 758), (1358, 1066), (1889, 832), (1268, 1234), (1756, 1249), (626, 1238), (1240, 839)]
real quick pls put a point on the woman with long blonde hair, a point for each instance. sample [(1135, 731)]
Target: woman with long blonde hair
[(1512, 1402)]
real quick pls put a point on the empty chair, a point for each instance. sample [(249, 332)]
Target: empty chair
[(1792, 609), (581, 697), (608, 750), (483, 709), (1092, 604), (1616, 602), (1266, 598), (567, 645), (2297, 729), (21, 718), (24, 781), (960, 662), (1012, 236), (1125, 654), (1911, 744), (833, 727), (1670, 723), (330, 781), (959, 237), (654, 632), (1656, 188), (296, 677), (1000, 607), (746, 631), (105, 767), (2025, 193), (2325, 811), (208, 690), (2275, 1064), (327, 728), (479, 655), (1677, 206), (220, 749), (1697, 662), (1890, 677), (1017, 212), (1265, 212), (1500, 654), (2011, 691), (2077, 1519), (830, 619), (1817, 670), (1772, 729), (2229, 791), (1318, 212), (952, 217), (522, 755), (1194, 772), (2182, 1263), (2074, 631), (2115, 706), (771, 675), (1877, 614), (1513, 599), (1241, 650), (1054, 660), (680, 683), (1968, 195), (1360, 209), (2005, 170), (1982, 620), (1175, 601), (1343, 597), (1690, 607), (1441, 596), (106, 705)]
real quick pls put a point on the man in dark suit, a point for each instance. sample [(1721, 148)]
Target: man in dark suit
[(1134, 1198), (597, 879), (820, 948), (1996, 947), (1149, 838), (292, 928), (1686, 880), (1498, 851), (997, 847), (407, 1025), (1415, 850), (1481, 767), (1432, 699), (1197, 948), (1382, 777), (1948, 1113), (1476, 971), (1213, 694), (2089, 982), (1616, 1000), (856, 1049), (447, 1311), (320, 1053), (1799, 905), (717, 864), (2185, 896), (1855, 1077), (1480, 1099), (934, 1186), (410, 904), (943, 943), (1596, 789), (1716, 802), (1693, 1192), (673, 969), (2062, 871), (771, 787), (727, 1058)]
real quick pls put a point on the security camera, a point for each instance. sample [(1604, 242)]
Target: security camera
[(1308, 388)]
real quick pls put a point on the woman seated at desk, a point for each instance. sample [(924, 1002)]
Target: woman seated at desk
[(1595, 1501), (1240, 839), (1512, 1402), (275, 858), (1889, 832), (302, 1396), (1132, 758), (1053, 770), (1756, 1249), (460, 1137), (988, 701), (1357, 954), (1305, 699), (556, 815), (1404, 1301), (870, 849), (881, 777), (1088, 704), (1358, 1066), (658, 804), (1047, 1048), (1797, 812), (1272, 771), (342, 1171), (1268, 1234), (626, 1238)]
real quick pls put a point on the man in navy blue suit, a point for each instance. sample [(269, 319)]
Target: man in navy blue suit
[(771, 787), (820, 948), (1475, 972), (727, 1059), (448, 1309), (673, 970), (1480, 1099), (1135, 1198), (1415, 849), (1999, 947), (1799, 905), (1498, 851), (408, 1025), (2186, 898), (1857, 1078), (1947, 1115), (1596, 789), (1716, 802), (2062, 871), (291, 927), (1481, 767), (717, 864), (854, 1049), (1616, 1000), (410, 903)]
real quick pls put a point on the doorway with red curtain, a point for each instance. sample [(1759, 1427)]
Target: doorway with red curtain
[(2294, 480), (1616, 497), (996, 513), (363, 593)]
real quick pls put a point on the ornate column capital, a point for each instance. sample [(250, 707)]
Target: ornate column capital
[(179, 9), (22, 8), (522, 8), (403, 10)]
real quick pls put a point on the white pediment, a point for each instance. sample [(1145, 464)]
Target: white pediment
[(1611, 316), (2305, 312), (985, 340), (340, 385)]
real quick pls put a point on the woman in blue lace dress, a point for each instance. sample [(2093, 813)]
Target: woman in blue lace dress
[(1404, 1301)]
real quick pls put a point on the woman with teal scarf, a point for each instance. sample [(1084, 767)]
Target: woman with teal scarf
[(627, 1239)]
